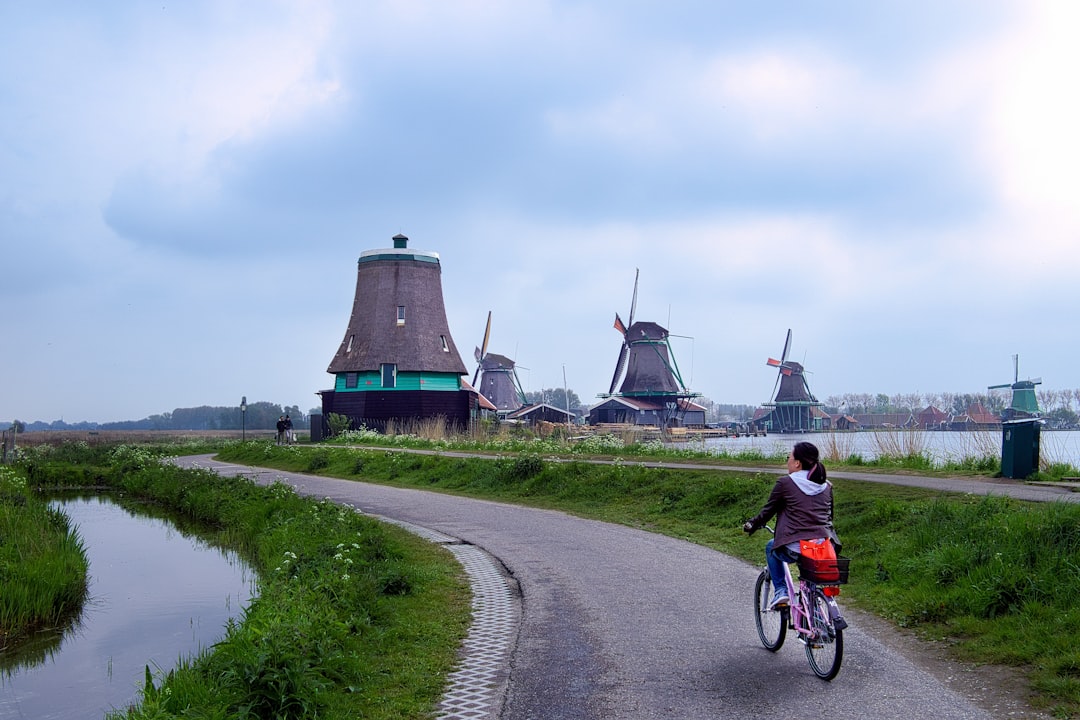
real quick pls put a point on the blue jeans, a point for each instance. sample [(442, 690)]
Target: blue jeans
[(775, 559)]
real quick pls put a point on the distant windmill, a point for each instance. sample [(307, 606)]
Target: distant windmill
[(498, 377), (1024, 402), (646, 373), (792, 400)]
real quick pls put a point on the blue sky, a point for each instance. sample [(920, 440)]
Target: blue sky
[(185, 189)]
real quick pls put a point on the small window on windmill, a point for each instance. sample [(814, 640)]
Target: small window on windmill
[(445, 347), (400, 315), (351, 380), (389, 375)]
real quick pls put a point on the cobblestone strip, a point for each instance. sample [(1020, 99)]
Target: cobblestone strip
[(477, 688)]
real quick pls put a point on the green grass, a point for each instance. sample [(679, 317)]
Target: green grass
[(43, 567), (996, 577), (353, 618)]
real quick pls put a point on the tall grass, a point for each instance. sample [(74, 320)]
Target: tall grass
[(997, 577), (353, 618), (43, 565)]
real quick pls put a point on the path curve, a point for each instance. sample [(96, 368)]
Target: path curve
[(620, 623)]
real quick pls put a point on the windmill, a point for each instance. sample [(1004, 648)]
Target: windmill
[(646, 374), (1024, 403), (498, 377), (793, 402)]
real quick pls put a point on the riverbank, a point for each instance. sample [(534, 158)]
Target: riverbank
[(43, 566), (987, 577), (353, 618)]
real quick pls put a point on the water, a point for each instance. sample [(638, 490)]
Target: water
[(156, 595), (1057, 446)]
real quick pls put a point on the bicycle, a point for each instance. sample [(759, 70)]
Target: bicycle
[(811, 612)]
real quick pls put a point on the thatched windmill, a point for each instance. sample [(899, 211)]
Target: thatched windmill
[(498, 377), (647, 377), (793, 404), (398, 360)]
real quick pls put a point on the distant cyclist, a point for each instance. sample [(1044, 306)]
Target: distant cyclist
[(802, 503)]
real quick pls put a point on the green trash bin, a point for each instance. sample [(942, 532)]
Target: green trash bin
[(1019, 448)]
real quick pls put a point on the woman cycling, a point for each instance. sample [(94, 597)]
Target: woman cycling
[(802, 503)]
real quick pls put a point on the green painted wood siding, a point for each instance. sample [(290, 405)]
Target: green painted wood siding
[(437, 382)]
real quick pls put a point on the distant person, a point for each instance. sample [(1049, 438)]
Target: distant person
[(288, 430), (281, 429), (802, 502)]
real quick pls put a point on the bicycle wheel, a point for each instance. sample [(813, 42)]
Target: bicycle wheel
[(771, 624), (825, 648)]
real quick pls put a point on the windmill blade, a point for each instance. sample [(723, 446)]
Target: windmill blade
[(787, 347), (487, 334), (999, 387), (773, 362), (633, 303), (619, 325), (476, 375), (775, 387), (619, 367)]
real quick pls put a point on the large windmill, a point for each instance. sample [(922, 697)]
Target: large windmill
[(498, 377), (793, 404), (1024, 403), (650, 388)]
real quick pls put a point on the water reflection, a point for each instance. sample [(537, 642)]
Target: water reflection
[(1057, 446), (156, 595)]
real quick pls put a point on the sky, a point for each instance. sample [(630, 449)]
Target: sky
[(185, 189)]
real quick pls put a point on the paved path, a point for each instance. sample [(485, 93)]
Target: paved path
[(619, 623)]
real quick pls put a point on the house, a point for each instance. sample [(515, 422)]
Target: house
[(678, 412), (977, 417), (931, 418)]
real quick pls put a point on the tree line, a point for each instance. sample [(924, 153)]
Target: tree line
[(259, 416), (1054, 405)]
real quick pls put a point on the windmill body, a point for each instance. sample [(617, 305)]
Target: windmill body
[(650, 390), (397, 360), (499, 384)]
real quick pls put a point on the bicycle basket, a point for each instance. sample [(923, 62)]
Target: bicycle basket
[(824, 571)]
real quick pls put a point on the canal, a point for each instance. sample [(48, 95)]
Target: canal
[(157, 594)]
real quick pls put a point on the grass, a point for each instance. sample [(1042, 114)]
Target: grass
[(353, 618), (43, 567), (895, 450), (995, 577)]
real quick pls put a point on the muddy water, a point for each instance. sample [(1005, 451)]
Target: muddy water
[(156, 595)]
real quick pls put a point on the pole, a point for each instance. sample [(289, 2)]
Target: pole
[(566, 395)]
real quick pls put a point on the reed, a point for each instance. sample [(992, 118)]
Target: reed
[(43, 565), (837, 446)]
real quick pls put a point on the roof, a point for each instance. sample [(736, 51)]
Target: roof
[(538, 407), (391, 283), (483, 401)]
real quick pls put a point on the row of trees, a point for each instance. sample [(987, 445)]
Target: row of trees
[(1058, 406), (259, 416)]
